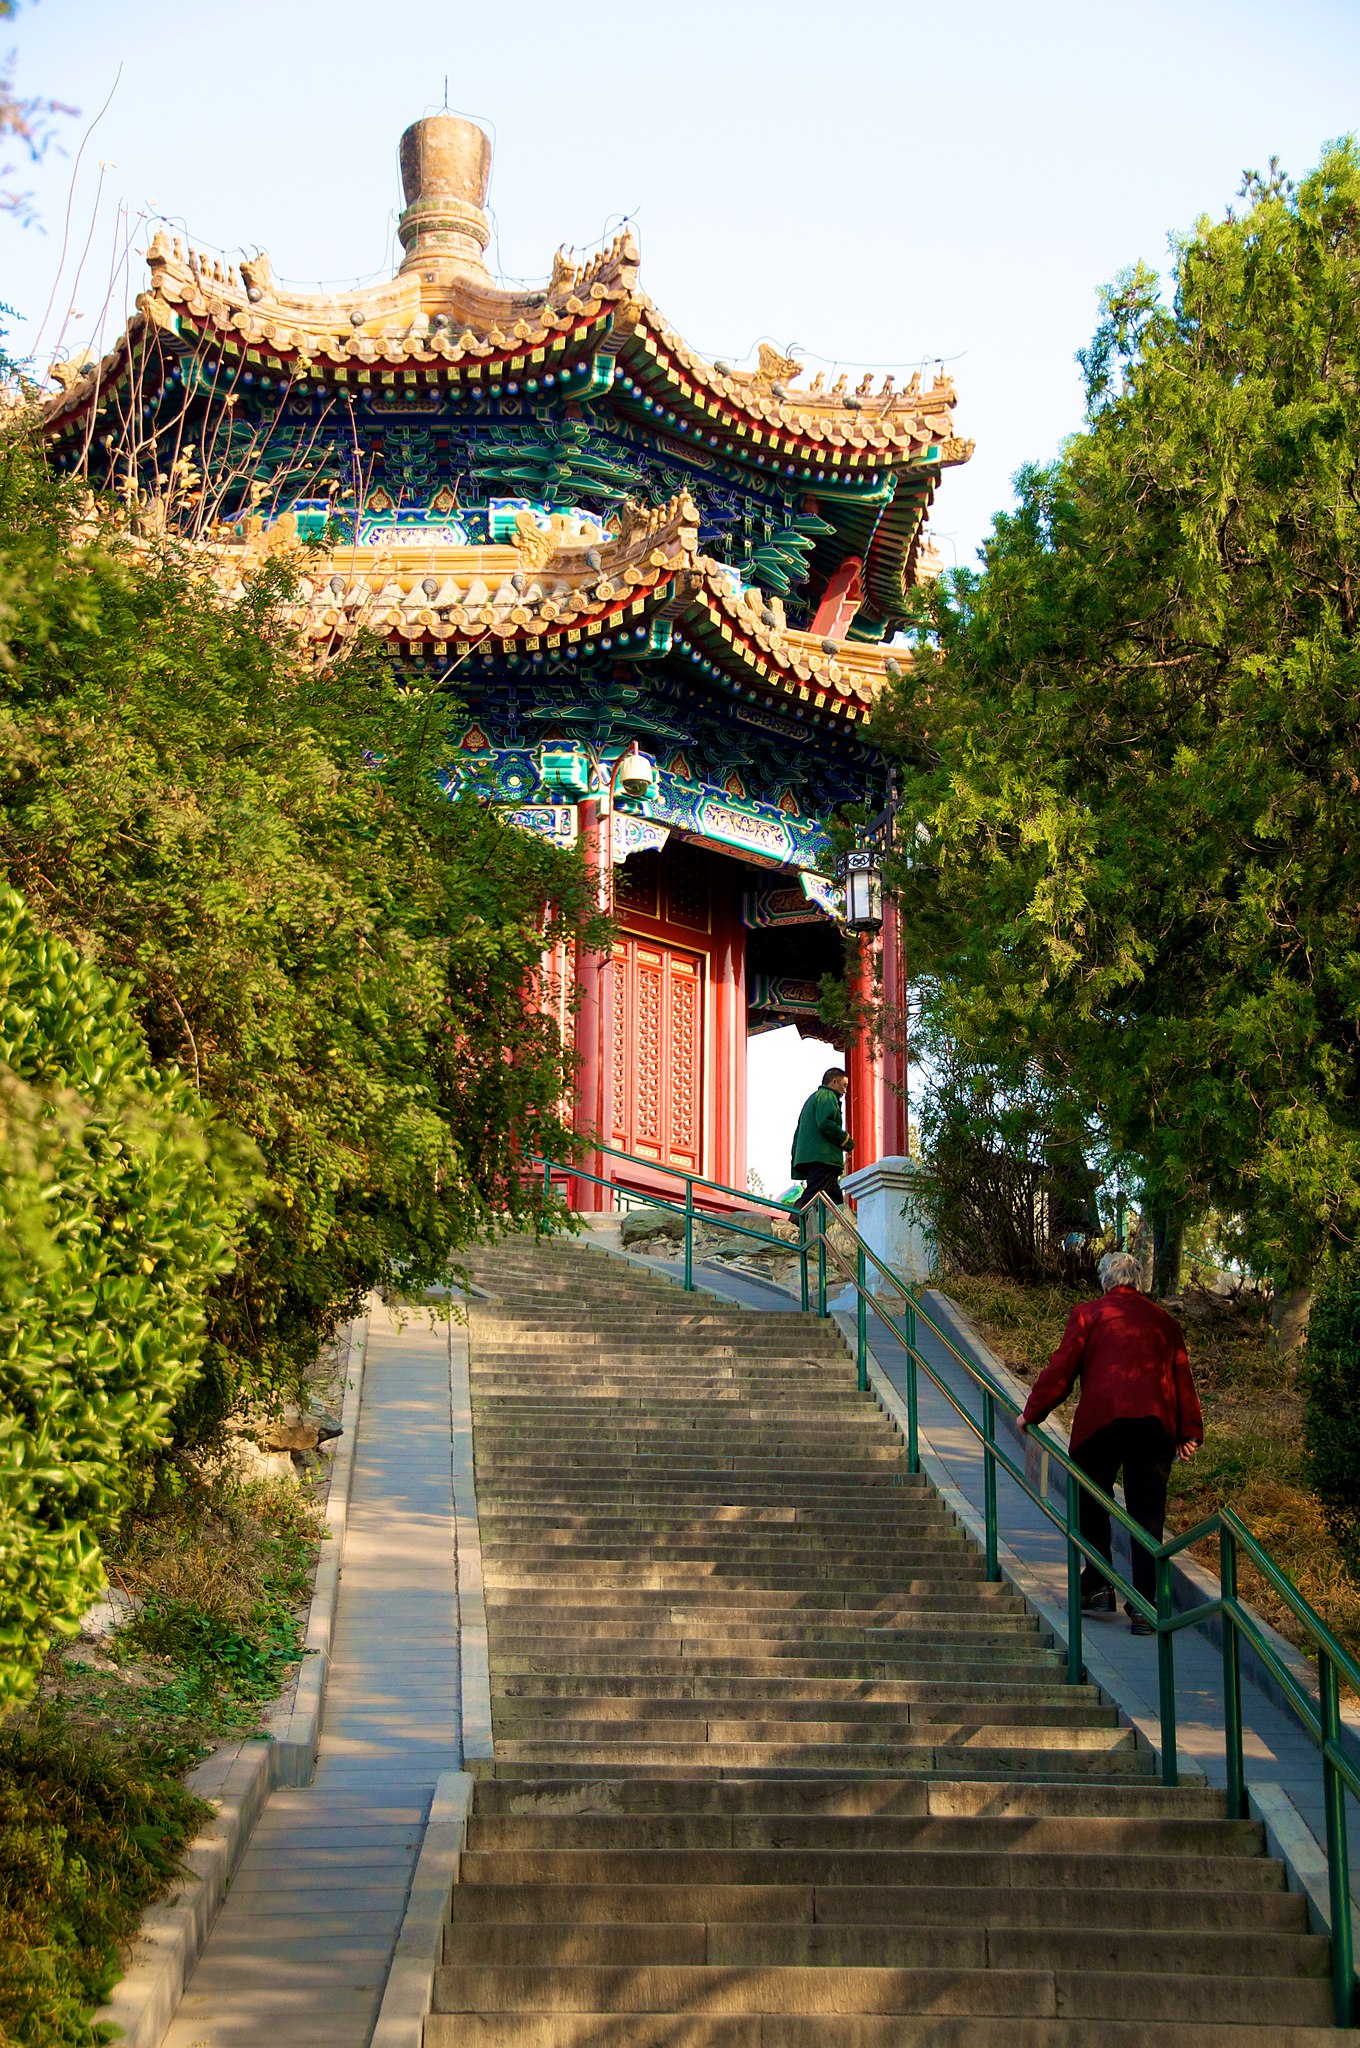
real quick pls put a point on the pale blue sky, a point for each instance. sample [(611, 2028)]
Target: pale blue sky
[(872, 184)]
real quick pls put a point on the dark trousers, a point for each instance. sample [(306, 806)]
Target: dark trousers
[(1144, 1452), (820, 1180)]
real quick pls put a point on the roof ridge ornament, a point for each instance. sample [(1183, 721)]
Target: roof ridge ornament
[(445, 174)]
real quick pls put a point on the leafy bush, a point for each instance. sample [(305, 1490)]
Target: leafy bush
[(1009, 1191), (1330, 1378), (258, 846), (88, 1836), (117, 1207)]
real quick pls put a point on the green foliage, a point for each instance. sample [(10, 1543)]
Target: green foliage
[(92, 1818), (1135, 747), (256, 845), (1009, 1183), (116, 1214), (220, 1572), (88, 1837), (1330, 1379)]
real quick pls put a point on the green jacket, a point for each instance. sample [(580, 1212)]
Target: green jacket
[(820, 1138)]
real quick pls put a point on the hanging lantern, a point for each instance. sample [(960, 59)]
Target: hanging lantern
[(861, 878)]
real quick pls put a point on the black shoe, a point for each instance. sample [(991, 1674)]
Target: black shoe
[(1099, 1602), (1139, 1625)]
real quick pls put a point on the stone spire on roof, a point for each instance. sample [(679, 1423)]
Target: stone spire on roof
[(445, 171)]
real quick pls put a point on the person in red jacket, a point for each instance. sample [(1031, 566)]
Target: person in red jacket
[(1137, 1414)]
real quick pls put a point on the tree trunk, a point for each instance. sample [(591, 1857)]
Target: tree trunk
[(1289, 1315), (1168, 1236)]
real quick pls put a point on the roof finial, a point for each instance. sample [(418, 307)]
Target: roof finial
[(445, 172)]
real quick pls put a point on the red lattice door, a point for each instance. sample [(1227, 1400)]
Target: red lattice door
[(659, 1052)]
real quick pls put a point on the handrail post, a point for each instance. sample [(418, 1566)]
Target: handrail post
[(821, 1255), (547, 1188), (1232, 1676), (989, 1481), (689, 1235), (1338, 1845), (913, 1391), (861, 1323), (804, 1284), (1074, 1564), (1166, 1673)]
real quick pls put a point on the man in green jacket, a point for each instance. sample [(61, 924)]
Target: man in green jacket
[(820, 1143)]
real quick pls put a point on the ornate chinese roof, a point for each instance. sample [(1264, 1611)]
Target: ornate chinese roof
[(576, 395), (640, 592)]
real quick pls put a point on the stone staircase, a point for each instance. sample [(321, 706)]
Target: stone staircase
[(775, 1766)]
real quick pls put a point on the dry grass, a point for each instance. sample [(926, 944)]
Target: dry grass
[(1252, 1460)]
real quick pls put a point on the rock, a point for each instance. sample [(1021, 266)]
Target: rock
[(108, 1614), (640, 1226), (247, 1462), (294, 1431)]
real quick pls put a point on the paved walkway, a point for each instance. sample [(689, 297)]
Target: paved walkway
[(300, 1950), (1278, 1750)]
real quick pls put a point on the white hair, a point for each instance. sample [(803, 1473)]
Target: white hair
[(1117, 1269)]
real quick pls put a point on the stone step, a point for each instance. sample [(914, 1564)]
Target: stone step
[(775, 1766), (920, 1693), (704, 1421), (787, 1551), (516, 1790), (889, 1730), (968, 1945), (548, 1488), (1042, 1875), (1246, 1914), (735, 1524), (758, 1463), (518, 1712), (1070, 1834), (596, 1321), (529, 1655), (679, 1575), (686, 1616), (979, 1599), (680, 1988), (836, 2030), (775, 1629), (1001, 1759)]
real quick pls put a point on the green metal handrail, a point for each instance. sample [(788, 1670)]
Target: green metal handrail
[(1321, 1718), (819, 1225), (686, 1209)]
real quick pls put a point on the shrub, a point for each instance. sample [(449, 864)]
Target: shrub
[(1009, 1191), (87, 1837), (1330, 1378), (117, 1207), (257, 844)]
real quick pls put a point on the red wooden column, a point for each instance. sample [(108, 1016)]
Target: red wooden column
[(726, 1084), (864, 1107), (895, 1047), (594, 1016)]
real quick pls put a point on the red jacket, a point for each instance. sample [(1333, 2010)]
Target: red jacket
[(1130, 1355)]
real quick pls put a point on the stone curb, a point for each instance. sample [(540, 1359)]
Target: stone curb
[(294, 1736), (239, 1780), (410, 1980), (474, 1655)]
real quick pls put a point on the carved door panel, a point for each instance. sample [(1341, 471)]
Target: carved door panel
[(659, 1052)]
